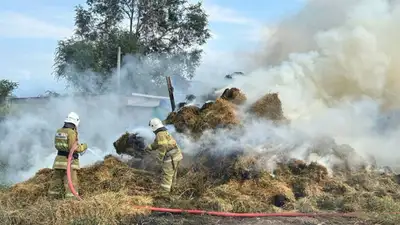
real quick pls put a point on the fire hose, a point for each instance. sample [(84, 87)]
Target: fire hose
[(211, 213), (70, 184)]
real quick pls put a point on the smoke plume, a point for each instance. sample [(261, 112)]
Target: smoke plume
[(27, 134), (335, 65)]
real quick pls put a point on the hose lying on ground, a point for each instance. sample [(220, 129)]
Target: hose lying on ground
[(211, 213), (229, 214)]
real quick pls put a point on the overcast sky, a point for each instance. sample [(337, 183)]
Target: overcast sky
[(29, 31)]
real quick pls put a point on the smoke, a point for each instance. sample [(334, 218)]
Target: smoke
[(336, 68), (334, 64), (27, 134)]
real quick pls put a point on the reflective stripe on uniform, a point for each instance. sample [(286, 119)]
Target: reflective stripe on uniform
[(63, 146), (61, 141), (167, 142), (166, 186), (58, 164)]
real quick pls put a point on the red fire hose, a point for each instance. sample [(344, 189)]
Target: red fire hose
[(212, 213), (70, 184), (229, 214)]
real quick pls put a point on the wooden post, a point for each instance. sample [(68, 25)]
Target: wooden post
[(171, 93)]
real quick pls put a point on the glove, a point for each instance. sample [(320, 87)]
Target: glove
[(84, 146)]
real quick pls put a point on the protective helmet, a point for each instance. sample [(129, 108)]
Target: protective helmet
[(155, 124), (72, 118)]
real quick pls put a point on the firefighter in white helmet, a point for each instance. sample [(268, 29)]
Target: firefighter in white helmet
[(64, 140), (169, 154)]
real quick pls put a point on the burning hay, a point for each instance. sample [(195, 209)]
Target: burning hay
[(234, 95), (110, 189), (234, 181), (130, 144), (185, 119), (269, 107), (223, 112), (191, 119)]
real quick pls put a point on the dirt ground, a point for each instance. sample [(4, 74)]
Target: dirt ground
[(172, 219)]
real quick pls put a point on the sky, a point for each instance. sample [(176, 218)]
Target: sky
[(29, 31)]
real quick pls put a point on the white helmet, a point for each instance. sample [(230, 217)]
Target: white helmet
[(155, 124), (72, 118)]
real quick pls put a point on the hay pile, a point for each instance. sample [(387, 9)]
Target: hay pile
[(234, 182), (223, 112), (111, 188), (194, 120), (234, 95), (130, 144), (269, 107)]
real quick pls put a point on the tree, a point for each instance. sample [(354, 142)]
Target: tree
[(153, 30), (6, 89)]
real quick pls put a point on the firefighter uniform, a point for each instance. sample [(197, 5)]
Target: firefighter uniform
[(169, 154), (64, 140)]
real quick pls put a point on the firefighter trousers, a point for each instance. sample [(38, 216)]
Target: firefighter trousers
[(168, 175), (59, 183)]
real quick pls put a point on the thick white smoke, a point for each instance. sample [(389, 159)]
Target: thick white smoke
[(334, 64), (336, 68), (27, 134), (27, 139)]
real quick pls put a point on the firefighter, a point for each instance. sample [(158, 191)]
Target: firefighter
[(169, 154), (64, 140)]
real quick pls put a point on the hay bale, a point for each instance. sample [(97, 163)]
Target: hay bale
[(120, 143), (234, 95), (130, 144), (268, 107), (170, 118), (185, 119), (206, 106), (222, 113)]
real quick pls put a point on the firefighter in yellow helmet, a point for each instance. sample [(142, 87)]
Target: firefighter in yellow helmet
[(64, 140), (169, 154)]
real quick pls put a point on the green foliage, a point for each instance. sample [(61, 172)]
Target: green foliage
[(6, 89), (171, 30)]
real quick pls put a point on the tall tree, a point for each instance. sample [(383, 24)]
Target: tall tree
[(167, 33), (6, 89)]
